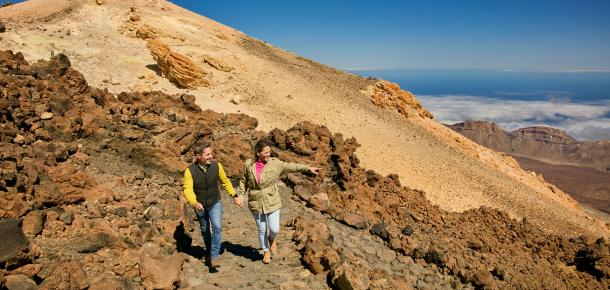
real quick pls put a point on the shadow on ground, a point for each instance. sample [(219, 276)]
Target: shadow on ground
[(247, 252)]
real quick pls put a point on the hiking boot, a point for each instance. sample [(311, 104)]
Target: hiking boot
[(215, 263), (273, 247), (266, 257)]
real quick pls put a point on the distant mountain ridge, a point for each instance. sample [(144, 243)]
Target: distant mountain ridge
[(581, 169), (542, 143)]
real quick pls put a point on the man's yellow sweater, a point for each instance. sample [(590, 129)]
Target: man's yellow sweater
[(189, 193)]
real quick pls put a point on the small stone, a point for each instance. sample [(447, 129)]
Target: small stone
[(430, 279), (52, 215), (407, 231), (499, 271), (319, 201), (121, 211), (32, 223), (46, 116), (67, 217), (355, 220), (380, 229), (19, 139), (152, 212), (100, 2), (386, 255)]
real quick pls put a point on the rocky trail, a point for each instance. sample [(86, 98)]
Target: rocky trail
[(242, 267)]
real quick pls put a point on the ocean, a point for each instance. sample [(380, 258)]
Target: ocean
[(575, 101)]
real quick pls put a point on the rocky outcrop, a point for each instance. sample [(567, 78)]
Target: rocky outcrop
[(389, 95), (175, 66)]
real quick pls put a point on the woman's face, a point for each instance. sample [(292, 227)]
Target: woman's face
[(264, 154)]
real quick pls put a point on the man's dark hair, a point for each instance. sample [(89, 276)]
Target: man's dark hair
[(198, 149)]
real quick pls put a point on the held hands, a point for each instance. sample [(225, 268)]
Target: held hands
[(238, 201), (314, 170), (198, 206)]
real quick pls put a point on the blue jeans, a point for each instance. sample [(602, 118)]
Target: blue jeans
[(212, 215), (271, 222)]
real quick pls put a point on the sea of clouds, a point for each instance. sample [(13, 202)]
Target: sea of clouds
[(583, 121)]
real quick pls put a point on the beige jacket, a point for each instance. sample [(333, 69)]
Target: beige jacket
[(264, 196)]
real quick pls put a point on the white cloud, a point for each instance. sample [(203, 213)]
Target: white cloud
[(583, 121)]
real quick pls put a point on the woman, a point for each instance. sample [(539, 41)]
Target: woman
[(260, 183)]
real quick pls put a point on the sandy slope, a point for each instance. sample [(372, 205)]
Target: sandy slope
[(280, 88)]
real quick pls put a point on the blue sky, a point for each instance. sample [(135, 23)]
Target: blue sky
[(521, 35)]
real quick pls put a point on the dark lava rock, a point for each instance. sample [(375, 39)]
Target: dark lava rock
[(380, 229), (13, 244)]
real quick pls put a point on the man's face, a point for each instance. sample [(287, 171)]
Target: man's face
[(206, 157)]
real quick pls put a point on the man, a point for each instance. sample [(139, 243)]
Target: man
[(201, 190)]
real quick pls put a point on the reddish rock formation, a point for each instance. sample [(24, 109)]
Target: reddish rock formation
[(389, 95), (174, 66)]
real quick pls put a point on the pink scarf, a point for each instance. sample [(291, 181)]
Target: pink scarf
[(259, 168)]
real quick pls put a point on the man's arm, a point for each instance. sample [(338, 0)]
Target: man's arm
[(226, 183), (189, 194)]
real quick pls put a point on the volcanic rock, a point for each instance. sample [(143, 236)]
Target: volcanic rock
[(389, 95), (176, 67), (67, 275), (13, 245), (19, 282), (159, 271), (32, 223)]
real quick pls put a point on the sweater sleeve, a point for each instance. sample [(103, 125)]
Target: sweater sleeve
[(241, 190), (189, 193), (293, 167), (226, 183)]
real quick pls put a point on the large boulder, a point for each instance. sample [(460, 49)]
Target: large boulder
[(19, 282), (175, 66), (14, 246), (67, 275), (351, 276), (159, 271)]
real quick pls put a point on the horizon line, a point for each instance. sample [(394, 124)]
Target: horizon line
[(361, 69)]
